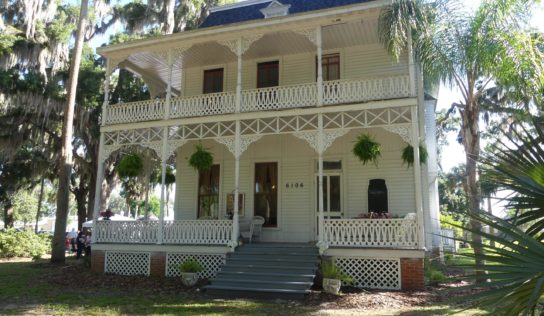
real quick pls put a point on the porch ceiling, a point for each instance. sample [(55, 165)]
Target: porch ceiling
[(153, 68)]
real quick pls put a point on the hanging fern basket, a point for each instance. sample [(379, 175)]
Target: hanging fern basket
[(408, 155), (201, 159), (367, 150)]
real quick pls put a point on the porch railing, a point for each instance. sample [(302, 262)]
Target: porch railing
[(190, 232), (379, 233), (265, 99)]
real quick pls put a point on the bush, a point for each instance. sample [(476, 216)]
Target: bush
[(329, 270), (190, 266), (433, 274), (26, 243)]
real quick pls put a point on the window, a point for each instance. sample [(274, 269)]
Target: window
[(266, 192), (331, 67), (213, 81), (268, 74), (377, 196), (208, 193)]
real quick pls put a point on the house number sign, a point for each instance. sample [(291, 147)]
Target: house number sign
[(294, 185)]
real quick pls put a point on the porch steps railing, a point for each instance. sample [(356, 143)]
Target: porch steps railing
[(190, 232), (264, 99), (379, 233)]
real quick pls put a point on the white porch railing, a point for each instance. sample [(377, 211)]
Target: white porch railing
[(273, 98), (197, 232), (280, 97), (384, 233), (148, 110), (346, 91), (202, 105)]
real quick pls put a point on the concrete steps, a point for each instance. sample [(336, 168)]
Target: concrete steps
[(267, 270)]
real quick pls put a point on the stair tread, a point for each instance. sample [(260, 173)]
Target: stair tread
[(262, 281), (265, 274), (238, 288)]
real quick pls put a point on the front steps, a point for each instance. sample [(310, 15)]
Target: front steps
[(267, 270)]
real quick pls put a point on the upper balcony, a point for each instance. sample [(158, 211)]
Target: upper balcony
[(265, 67)]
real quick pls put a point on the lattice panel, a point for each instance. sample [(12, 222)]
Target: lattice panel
[(372, 273), (210, 263), (128, 263)]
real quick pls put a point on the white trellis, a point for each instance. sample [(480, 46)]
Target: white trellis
[(372, 273), (211, 263), (127, 263)]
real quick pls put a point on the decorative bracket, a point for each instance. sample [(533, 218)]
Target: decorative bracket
[(173, 145), (401, 130), (247, 40), (113, 63), (245, 141), (329, 136), (311, 34)]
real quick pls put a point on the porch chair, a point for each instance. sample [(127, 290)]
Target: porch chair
[(255, 228)]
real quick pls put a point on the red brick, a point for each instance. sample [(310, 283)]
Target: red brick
[(98, 258), (412, 274), (158, 264)]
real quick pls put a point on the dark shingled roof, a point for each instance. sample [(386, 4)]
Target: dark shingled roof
[(251, 12)]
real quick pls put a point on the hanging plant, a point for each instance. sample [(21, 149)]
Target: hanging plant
[(367, 150), (201, 159), (131, 165), (408, 155)]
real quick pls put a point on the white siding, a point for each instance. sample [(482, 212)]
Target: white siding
[(296, 162)]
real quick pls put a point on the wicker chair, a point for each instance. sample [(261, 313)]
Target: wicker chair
[(255, 228)]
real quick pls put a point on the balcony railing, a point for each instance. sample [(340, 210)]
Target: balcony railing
[(379, 233), (265, 99), (187, 232)]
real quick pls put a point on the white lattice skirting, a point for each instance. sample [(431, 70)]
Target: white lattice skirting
[(372, 273), (127, 263), (210, 263)]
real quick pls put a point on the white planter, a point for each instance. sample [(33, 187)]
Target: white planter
[(331, 286), (189, 278)]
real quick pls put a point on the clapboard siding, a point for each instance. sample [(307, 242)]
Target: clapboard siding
[(356, 62), (297, 164)]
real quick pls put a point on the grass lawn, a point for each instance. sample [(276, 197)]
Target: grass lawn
[(38, 288)]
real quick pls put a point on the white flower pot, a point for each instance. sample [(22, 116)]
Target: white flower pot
[(331, 286), (189, 278)]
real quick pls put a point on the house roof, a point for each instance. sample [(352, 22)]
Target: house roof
[(250, 10)]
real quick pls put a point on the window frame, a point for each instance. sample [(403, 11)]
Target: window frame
[(213, 70), (264, 64), (199, 195), (326, 57)]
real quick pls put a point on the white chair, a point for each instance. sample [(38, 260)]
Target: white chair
[(255, 228)]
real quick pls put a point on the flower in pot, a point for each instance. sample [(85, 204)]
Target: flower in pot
[(189, 272), (201, 159), (333, 277), (408, 155), (367, 150)]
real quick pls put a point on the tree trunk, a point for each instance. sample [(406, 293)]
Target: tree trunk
[(471, 142), (491, 229), (110, 182), (92, 181), (81, 202), (169, 20), (8, 213), (40, 200), (63, 194)]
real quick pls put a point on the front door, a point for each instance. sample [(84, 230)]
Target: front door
[(332, 196)]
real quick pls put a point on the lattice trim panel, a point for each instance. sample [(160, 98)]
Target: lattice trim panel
[(127, 263), (372, 273), (210, 263)]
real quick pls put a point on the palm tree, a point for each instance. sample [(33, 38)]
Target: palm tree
[(466, 51)]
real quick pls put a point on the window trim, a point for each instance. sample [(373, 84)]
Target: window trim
[(205, 70), (328, 55), (267, 61)]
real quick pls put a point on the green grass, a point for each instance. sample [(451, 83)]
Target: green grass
[(33, 288)]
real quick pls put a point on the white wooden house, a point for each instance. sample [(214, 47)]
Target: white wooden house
[(278, 91)]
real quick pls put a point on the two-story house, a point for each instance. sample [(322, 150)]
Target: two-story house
[(279, 92)]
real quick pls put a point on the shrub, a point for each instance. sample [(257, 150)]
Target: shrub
[(433, 274), (190, 266), (26, 243), (329, 270)]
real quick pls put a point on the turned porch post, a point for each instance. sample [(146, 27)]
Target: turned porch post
[(417, 178), (160, 235), (321, 215), (318, 43), (237, 151), (411, 66)]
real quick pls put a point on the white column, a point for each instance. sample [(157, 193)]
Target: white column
[(98, 185), (319, 67), (239, 77), (106, 92), (321, 215), (169, 87), (235, 215), (417, 178), (411, 66)]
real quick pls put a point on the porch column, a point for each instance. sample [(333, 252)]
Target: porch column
[(98, 185), (321, 215), (160, 233), (417, 178), (106, 92), (411, 66), (235, 215), (319, 67), (239, 54)]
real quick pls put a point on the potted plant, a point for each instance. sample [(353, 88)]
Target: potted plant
[(189, 272), (408, 155), (333, 277), (201, 159), (366, 149)]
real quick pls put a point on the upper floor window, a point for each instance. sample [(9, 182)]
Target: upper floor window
[(213, 81), (268, 74), (208, 193), (331, 67)]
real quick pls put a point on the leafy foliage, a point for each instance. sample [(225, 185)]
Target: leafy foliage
[(366, 149), (26, 243), (201, 159), (131, 165), (408, 155), (190, 266), (329, 270)]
